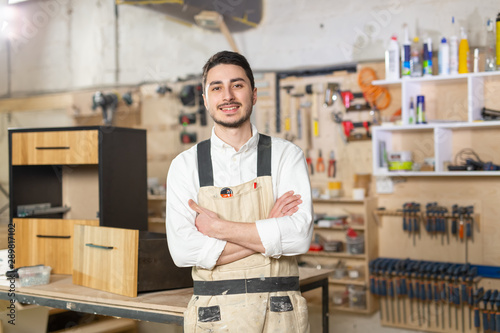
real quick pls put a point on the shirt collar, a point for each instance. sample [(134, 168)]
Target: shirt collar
[(251, 143)]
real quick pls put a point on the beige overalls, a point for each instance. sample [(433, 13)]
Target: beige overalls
[(256, 293)]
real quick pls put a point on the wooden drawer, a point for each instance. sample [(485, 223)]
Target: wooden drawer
[(46, 241), (52, 147), (125, 261)]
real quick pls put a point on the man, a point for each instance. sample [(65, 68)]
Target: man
[(233, 216)]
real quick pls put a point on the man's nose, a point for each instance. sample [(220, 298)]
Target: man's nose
[(228, 94)]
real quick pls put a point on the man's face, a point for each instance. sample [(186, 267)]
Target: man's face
[(228, 95)]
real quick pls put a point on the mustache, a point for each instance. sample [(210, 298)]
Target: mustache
[(228, 104)]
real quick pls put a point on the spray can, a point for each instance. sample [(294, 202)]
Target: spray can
[(444, 57), (427, 58), (392, 60), (421, 109), (453, 51), (463, 53), (416, 58), (405, 55), (490, 63), (498, 41)]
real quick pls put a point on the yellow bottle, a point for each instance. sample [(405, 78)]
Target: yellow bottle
[(463, 53)]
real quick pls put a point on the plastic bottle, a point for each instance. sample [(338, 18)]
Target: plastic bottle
[(421, 109), (416, 58), (392, 60), (411, 116), (444, 57), (453, 50), (427, 58), (490, 62), (498, 40), (405, 55), (463, 53)]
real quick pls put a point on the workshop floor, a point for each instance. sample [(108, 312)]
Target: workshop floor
[(339, 322)]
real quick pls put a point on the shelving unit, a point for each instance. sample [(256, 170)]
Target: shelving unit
[(453, 112), (369, 230)]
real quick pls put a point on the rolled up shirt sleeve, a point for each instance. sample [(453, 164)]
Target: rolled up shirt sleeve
[(288, 235)]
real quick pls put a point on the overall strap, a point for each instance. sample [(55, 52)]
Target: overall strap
[(205, 169), (264, 156)]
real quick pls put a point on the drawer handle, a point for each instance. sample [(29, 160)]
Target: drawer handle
[(54, 148), (100, 246), (52, 236)]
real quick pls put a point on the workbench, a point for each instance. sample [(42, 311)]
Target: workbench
[(166, 306)]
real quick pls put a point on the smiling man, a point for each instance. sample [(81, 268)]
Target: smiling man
[(235, 215)]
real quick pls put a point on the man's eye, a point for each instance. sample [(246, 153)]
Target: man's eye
[(238, 85), (215, 88)]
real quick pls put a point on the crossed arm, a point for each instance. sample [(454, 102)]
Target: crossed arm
[(242, 238)]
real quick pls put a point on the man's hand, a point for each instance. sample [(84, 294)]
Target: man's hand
[(286, 205), (206, 220)]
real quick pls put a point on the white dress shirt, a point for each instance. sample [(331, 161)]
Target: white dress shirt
[(288, 236)]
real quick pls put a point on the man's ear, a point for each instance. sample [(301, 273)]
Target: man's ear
[(205, 101), (254, 99)]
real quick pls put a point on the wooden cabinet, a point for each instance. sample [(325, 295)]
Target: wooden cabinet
[(91, 173), (355, 209)]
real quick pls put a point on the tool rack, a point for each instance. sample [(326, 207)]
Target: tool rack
[(436, 296)]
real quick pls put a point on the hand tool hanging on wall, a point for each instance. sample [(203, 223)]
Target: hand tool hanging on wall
[(383, 286), (320, 165), (310, 165), (493, 298), (350, 135), (191, 95), (486, 298), (107, 103), (471, 280), (390, 279), (464, 269), (477, 296), (315, 90), (497, 314), (286, 110), (332, 167), (373, 267), (162, 89)]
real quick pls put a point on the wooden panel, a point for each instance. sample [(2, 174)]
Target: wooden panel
[(25, 248), (106, 259), (48, 242), (65, 147), (80, 191)]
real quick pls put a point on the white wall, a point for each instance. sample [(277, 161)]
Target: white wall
[(70, 44)]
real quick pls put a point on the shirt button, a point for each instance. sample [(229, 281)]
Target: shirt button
[(234, 159)]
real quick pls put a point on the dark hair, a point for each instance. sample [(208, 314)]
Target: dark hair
[(228, 58)]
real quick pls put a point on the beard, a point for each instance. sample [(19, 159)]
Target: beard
[(233, 123)]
